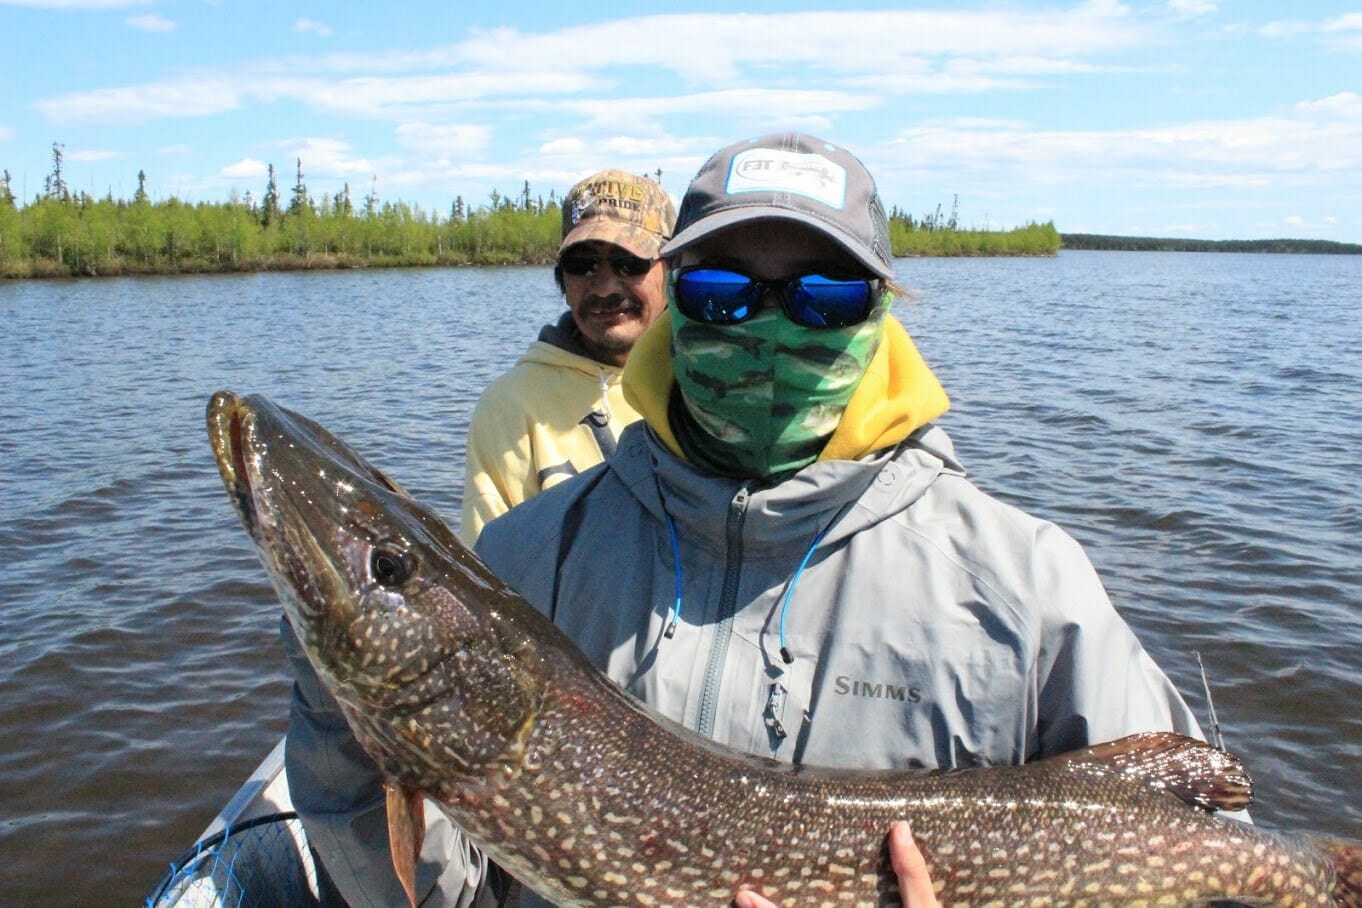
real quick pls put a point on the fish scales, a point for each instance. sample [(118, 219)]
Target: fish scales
[(1047, 834), (463, 692)]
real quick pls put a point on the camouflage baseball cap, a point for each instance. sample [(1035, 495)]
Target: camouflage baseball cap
[(792, 177), (617, 207)]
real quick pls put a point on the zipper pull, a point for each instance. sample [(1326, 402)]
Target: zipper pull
[(775, 708)]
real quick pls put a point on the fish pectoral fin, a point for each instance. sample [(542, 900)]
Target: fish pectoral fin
[(406, 833), (1201, 775)]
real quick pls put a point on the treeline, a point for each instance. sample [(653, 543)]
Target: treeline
[(1169, 244), (61, 233), (939, 234), (84, 236), (1032, 239), (87, 236)]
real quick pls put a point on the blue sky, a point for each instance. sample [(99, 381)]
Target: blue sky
[(1216, 119)]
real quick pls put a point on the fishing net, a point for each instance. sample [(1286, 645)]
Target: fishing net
[(263, 862)]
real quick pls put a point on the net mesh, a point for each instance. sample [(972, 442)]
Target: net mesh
[(262, 862)]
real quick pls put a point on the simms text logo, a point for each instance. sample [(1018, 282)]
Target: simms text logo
[(876, 690)]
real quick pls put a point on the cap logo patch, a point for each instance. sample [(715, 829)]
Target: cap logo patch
[(581, 205), (628, 196), (772, 170)]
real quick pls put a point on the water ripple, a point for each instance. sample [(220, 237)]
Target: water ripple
[(1190, 419)]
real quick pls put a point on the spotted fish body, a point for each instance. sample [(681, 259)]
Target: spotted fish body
[(464, 693)]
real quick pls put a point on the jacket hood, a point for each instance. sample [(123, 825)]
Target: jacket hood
[(898, 395), (836, 497), (559, 345)]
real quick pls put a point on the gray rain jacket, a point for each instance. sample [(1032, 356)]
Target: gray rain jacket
[(932, 625)]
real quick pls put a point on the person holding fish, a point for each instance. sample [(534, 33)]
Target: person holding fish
[(785, 554), (560, 409)]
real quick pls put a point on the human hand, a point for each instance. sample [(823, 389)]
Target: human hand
[(910, 867)]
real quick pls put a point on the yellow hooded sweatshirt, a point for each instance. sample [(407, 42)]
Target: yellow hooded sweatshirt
[(555, 414)]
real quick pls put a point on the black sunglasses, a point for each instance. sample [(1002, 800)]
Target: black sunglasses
[(623, 265), (720, 296)]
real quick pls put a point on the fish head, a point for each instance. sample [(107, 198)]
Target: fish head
[(401, 622)]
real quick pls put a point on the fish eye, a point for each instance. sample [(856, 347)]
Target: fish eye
[(391, 567)]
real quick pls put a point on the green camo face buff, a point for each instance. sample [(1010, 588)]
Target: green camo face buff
[(764, 395)]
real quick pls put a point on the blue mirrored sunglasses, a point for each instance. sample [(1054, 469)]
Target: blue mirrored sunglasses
[(719, 296)]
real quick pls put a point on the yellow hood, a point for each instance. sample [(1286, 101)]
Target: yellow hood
[(898, 395)]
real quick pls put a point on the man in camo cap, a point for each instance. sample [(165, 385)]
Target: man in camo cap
[(561, 408)]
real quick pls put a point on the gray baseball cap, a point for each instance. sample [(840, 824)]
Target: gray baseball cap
[(792, 177)]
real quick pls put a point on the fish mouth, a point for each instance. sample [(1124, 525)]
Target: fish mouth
[(228, 421), (242, 432)]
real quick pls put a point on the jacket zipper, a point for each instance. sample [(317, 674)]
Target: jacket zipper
[(728, 606)]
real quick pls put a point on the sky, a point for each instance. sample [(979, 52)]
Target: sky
[(1211, 119)]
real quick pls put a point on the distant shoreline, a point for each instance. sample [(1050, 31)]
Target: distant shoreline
[(1173, 244), (63, 237), (52, 239)]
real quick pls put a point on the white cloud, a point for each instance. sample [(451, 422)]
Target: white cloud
[(1302, 144), (246, 168), (444, 139), (635, 146), (6, 134), (1187, 228), (717, 47), (90, 155), (856, 59), (760, 107), (151, 23), (1285, 29), (565, 146), (1306, 226), (322, 157), (561, 105), (408, 96), (1191, 9), (1346, 22), (75, 4), (1027, 66), (368, 97), (938, 84), (1341, 33), (582, 154), (140, 103), (1345, 105), (1344, 34), (312, 26), (179, 150)]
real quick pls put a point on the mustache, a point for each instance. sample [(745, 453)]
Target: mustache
[(613, 303)]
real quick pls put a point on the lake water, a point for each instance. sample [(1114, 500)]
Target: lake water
[(1192, 418)]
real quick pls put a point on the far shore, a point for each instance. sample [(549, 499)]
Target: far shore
[(1173, 244), (84, 237)]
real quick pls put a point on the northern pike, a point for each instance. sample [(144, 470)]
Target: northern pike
[(463, 692)]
